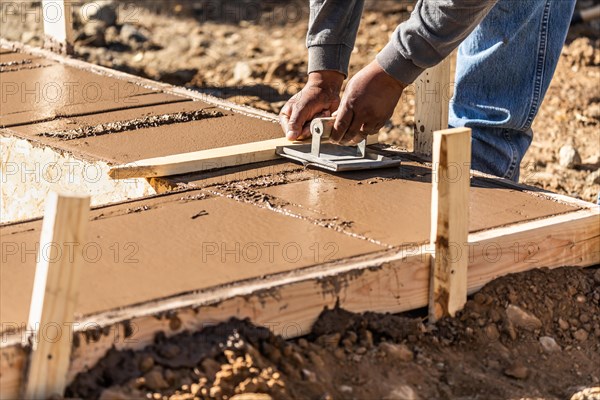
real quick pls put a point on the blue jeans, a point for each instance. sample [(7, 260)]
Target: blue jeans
[(503, 71)]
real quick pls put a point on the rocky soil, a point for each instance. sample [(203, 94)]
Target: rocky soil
[(252, 52), (534, 335)]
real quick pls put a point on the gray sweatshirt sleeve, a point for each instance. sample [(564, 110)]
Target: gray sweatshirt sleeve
[(332, 33), (434, 29)]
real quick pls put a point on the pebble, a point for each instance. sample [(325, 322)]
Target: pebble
[(170, 351), (94, 33), (309, 375), (568, 156), (585, 318), (564, 325), (111, 34), (210, 367), (131, 33), (517, 371), (339, 354), (345, 389), (549, 344), (113, 394), (368, 339), (272, 352), (252, 396), (215, 392), (397, 351), (316, 359), (330, 341), (593, 178), (102, 10), (522, 319), (146, 364), (241, 72), (592, 393), (581, 335), (597, 275), (154, 380), (491, 332), (403, 392)]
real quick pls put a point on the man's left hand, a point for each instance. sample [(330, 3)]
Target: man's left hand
[(367, 104)]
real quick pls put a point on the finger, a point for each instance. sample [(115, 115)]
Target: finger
[(305, 134), (359, 137), (354, 132), (284, 117), (371, 128), (343, 121), (300, 115)]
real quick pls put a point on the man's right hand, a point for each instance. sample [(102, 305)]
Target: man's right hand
[(319, 98)]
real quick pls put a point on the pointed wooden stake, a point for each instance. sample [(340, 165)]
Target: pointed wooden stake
[(55, 290), (58, 26), (450, 221), (432, 91)]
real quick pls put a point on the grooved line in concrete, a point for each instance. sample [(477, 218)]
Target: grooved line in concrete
[(151, 121)]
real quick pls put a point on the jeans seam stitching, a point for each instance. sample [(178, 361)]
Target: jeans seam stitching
[(540, 67), (513, 158)]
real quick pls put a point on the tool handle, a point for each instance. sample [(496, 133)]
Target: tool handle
[(322, 127)]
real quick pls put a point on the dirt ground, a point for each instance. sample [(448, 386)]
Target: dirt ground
[(534, 335), (253, 52)]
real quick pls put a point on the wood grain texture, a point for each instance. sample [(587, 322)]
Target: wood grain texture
[(55, 292), (432, 97), (449, 221), (206, 160)]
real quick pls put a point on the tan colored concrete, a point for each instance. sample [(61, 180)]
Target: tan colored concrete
[(393, 205), (173, 247), (43, 93)]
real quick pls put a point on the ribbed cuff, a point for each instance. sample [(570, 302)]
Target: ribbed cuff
[(396, 65), (329, 57)]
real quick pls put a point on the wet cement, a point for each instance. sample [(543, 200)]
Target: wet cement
[(9, 57), (58, 90), (136, 144), (161, 247), (393, 206), (151, 121)]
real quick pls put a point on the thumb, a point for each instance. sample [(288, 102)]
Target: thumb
[(300, 114)]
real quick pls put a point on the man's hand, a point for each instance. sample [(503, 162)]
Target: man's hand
[(319, 98), (368, 102)]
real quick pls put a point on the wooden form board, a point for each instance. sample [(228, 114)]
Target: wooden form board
[(55, 292), (394, 280), (205, 160), (449, 221)]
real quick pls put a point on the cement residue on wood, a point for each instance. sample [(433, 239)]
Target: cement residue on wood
[(152, 121), (376, 356)]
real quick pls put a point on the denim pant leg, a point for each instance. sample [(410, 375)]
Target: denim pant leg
[(503, 71)]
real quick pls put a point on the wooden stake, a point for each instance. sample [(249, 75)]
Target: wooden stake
[(58, 26), (450, 221), (54, 297), (432, 90)]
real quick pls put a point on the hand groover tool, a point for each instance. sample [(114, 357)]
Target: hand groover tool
[(333, 157)]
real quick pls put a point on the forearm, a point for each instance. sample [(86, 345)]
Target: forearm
[(434, 29), (332, 33)]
